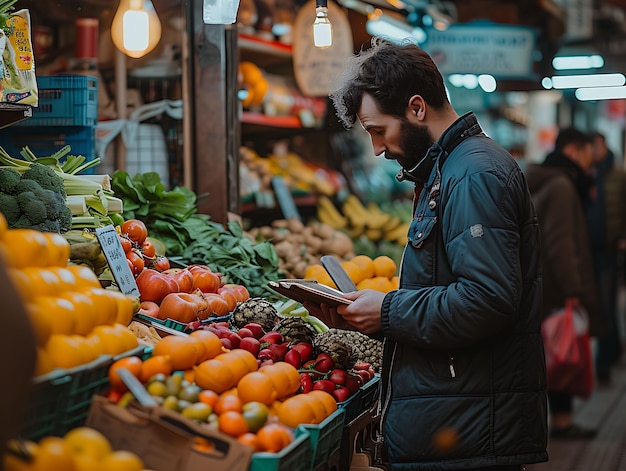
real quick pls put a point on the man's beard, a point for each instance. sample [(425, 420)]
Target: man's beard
[(416, 140)]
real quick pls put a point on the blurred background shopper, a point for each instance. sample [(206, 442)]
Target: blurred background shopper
[(561, 189)]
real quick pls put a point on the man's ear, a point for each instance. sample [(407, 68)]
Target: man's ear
[(416, 108)]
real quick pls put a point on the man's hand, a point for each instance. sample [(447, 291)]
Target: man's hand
[(363, 314)]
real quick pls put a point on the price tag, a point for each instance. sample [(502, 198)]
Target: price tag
[(116, 258)]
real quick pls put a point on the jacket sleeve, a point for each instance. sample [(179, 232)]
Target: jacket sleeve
[(480, 226)]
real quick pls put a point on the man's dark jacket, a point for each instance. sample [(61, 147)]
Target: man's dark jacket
[(463, 350)]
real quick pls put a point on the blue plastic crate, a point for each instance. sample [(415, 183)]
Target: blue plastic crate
[(44, 141), (65, 100)]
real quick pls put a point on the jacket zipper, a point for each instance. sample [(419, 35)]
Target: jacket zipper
[(382, 411), (451, 365)]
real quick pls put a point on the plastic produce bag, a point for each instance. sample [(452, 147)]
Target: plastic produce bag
[(18, 83), (569, 363)]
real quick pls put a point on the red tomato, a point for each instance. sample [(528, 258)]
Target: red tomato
[(161, 264), (205, 280), (127, 245), (137, 261), (136, 230), (148, 249)]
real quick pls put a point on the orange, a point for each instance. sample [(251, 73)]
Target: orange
[(58, 249), (53, 453), (200, 348), (85, 277), (156, 365), (67, 279), (64, 351), (104, 305), (214, 375), (384, 266), (41, 322), (366, 264), (180, 349), (112, 340), (129, 340), (353, 271), (395, 282), (273, 437), (96, 344), (232, 423), (283, 378), (313, 272), (83, 305), (257, 386), (189, 375), (88, 350), (327, 399), (25, 248), (42, 281), (247, 357), (208, 397), (211, 341), (61, 312), (44, 363), (227, 402), (87, 441), (125, 307), (122, 460), (250, 439), (132, 364), (297, 410), (237, 365)]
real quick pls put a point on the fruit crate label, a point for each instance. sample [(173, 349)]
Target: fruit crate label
[(116, 258)]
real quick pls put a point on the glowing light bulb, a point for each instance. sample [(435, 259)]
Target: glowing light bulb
[(136, 28), (322, 29)]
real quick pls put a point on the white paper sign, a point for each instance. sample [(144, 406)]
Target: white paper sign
[(116, 258)]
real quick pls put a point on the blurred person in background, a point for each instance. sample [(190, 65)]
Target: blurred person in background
[(561, 189), (606, 218), (463, 365), (18, 349)]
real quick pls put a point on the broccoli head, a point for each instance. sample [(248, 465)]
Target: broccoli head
[(65, 220), (46, 177), (30, 186), (33, 208), (9, 208), (48, 225), (9, 179)]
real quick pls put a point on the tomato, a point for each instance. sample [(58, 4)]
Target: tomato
[(135, 230), (255, 414), (161, 264), (148, 249), (324, 385), (341, 394), (154, 286), (205, 280), (127, 244), (137, 261), (216, 305), (183, 277), (183, 307)]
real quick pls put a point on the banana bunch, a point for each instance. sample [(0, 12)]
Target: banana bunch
[(359, 220), (328, 213)]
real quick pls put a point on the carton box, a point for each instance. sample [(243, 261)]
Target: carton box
[(165, 440)]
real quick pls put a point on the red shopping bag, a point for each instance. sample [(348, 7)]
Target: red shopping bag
[(569, 363)]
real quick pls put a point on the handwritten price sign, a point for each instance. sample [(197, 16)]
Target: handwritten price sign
[(116, 258)]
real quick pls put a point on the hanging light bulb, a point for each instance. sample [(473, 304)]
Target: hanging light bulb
[(136, 28), (322, 29)]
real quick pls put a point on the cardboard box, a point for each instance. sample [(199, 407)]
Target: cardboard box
[(165, 440)]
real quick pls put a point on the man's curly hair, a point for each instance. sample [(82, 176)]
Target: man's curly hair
[(391, 74)]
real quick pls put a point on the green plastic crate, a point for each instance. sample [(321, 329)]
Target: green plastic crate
[(363, 399), (45, 407), (180, 326), (295, 457), (325, 437)]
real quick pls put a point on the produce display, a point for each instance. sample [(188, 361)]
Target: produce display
[(80, 449), (299, 246), (74, 318)]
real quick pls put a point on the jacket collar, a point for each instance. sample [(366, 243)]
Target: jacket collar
[(465, 126)]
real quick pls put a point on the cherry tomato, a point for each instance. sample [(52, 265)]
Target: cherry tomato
[(126, 244), (135, 230), (137, 262), (148, 249), (161, 264)]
